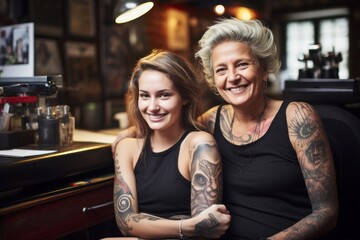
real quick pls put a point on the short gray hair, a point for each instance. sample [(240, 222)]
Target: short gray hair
[(252, 32)]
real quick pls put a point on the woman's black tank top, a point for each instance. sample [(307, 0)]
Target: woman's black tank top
[(161, 188)]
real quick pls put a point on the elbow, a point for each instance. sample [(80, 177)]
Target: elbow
[(332, 217)]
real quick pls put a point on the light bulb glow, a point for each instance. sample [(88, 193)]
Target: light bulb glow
[(219, 9), (244, 13)]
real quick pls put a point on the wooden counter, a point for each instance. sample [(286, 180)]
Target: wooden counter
[(52, 196)]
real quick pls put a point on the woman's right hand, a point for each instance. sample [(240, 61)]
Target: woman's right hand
[(212, 222)]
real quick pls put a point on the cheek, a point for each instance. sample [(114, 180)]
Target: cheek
[(173, 106), (219, 82), (142, 105)]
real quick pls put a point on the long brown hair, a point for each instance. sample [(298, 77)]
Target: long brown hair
[(182, 76)]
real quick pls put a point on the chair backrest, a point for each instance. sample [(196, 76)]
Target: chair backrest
[(343, 130)]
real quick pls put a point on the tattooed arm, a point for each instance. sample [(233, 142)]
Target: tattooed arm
[(142, 225), (314, 154), (206, 184)]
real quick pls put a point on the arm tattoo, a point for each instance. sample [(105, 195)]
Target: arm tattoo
[(302, 127), (206, 182), (315, 159), (122, 203), (124, 212), (206, 226)]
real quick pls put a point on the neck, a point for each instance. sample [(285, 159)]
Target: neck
[(249, 114), (162, 140)]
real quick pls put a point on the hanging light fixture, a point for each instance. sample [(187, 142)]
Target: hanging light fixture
[(128, 10)]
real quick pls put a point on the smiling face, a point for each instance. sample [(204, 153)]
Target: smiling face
[(159, 102), (238, 77)]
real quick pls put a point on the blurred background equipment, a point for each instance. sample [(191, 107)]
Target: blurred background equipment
[(318, 65)]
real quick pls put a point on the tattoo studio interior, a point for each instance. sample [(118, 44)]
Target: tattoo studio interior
[(66, 78)]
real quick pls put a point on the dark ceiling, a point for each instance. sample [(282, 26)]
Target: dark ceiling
[(256, 4)]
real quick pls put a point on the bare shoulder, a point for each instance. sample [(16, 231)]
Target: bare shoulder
[(200, 137), (304, 124), (203, 144), (129, 143), (296, 108), (128, 149)]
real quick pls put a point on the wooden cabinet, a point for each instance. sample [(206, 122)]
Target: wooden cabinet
[(59, 214), (44, 197)]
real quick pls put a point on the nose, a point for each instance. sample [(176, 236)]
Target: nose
[(153, 105), (233, 75)]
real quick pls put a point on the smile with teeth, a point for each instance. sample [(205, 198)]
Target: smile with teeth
[(156, 116), (237, 88)]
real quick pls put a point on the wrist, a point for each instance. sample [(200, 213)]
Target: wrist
[(187, 228)]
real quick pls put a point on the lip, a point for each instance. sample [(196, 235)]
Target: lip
[(237, 89), (156, 117)]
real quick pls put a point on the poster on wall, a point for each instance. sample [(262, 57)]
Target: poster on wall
[(177, 28), (47, 57), (17, 50), (82, 71)]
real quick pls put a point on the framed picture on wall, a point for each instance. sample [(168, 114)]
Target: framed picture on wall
[(177, 28), (118, 62), (82, 71), (47, 57), (81, 18), (17, 50)]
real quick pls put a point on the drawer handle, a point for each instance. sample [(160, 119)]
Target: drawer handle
[(87, 209)]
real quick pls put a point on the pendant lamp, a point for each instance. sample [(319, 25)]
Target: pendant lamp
[(128, 10)]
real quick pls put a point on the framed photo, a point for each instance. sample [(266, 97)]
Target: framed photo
[(177, 28), (47, 57), (118, 61), (82, 71), (81, 18), (17, 50)]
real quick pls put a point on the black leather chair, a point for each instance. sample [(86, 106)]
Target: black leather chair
[(343, 130)]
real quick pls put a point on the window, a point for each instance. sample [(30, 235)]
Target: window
[(330, 28)]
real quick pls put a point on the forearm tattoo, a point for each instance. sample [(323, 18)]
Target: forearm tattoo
[(206, 182), (124, 212), (207, 226)]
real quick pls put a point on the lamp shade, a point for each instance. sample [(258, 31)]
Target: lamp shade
[(128, 10)]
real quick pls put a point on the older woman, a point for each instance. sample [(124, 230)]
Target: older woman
[(279, 177)]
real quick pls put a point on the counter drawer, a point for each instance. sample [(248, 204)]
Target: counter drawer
[(58, 215)]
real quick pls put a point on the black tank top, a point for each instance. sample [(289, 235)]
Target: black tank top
[(264, 193), (161, 189)]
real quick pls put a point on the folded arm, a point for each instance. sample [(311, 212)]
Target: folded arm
[(143, 225)]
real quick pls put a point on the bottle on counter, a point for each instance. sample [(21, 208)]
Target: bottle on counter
[(67, 124), (48, 128)]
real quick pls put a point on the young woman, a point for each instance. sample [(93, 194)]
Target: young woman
[(168, 180)]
